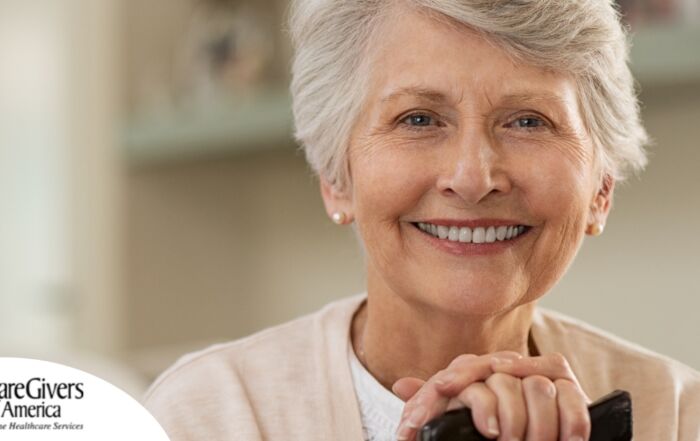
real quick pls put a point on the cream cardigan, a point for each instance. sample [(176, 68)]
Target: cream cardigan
[(293, 382)]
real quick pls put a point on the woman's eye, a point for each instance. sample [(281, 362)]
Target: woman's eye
[(528, 122), (418, 120)]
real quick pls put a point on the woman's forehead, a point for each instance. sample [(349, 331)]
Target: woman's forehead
[(421, 57)]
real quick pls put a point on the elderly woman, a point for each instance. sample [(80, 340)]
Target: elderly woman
[(473, 144)]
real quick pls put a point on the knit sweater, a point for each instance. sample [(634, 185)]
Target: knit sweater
[(293, 382)]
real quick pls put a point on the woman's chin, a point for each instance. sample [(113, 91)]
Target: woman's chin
[(474, 303)]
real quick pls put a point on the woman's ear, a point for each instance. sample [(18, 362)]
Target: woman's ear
[(600, 206), (338, 202)]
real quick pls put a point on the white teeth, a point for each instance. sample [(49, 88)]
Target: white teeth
[(453, 235), (490, 235), (465, 234), (501, 232), (477, 235)]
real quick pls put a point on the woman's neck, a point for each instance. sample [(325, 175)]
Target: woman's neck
[(394, 339)]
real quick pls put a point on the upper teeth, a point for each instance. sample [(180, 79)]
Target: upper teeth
[(473, 235)]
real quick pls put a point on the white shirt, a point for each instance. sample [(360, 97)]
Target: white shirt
[(380, 408)]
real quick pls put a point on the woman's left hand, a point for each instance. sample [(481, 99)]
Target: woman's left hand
[(514, 397)]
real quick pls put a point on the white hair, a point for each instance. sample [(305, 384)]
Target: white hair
[(583, 38)]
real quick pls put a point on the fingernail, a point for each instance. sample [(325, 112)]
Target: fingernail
[(445, 378), (417, 416), (502, 361), (551, 391), (576, 438), (492, 424)]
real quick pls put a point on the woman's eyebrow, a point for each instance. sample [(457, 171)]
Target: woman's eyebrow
[(437, 96), (533, 97), (419, 92)]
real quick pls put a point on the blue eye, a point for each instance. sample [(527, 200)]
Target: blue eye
[(418, 120), (529, 122)]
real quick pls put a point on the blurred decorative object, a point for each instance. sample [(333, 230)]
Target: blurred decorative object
[(665, 40), (224, 54), (691, 11), (211, 82), (646, 12)]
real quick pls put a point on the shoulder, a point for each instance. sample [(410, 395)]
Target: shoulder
[(604, 348), (264, 348), (226, 359), (241, 377), (205, 394)]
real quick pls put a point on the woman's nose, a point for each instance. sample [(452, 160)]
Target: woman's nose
[(474, 170)]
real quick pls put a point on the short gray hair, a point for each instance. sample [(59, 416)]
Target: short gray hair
[(584, 38)]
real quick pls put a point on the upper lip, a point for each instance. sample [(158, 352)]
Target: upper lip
[(472, 223)]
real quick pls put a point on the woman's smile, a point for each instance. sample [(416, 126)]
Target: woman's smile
[(471, 238)]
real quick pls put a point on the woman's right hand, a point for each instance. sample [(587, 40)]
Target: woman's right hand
[(511, 397)]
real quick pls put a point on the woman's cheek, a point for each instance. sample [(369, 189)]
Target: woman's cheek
[(392, 170)]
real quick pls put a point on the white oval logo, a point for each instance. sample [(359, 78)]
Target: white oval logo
[(40, 400)]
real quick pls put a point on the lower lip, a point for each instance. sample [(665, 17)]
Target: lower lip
[(471, 249)]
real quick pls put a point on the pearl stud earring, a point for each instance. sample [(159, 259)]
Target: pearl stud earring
[(338, 217), (597, 229)]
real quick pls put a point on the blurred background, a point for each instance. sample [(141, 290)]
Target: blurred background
[(153, 201)]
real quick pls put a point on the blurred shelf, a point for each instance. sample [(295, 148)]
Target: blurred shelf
[(255, 123), (660, 56), (666, 54)]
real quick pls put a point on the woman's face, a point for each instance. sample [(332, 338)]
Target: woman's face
[(456, 139)]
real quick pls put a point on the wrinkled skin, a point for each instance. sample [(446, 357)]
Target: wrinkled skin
[(452, 128)]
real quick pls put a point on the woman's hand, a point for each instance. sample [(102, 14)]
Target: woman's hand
[(530, 398)]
